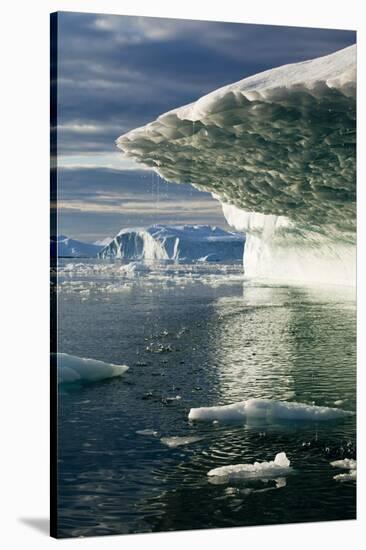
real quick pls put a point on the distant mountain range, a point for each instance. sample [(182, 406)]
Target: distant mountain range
[(64, 247)]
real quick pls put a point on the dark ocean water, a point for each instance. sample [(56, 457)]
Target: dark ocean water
[(200, 336)]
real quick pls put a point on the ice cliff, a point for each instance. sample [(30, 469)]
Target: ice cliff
[(277, 149), (179, 243)]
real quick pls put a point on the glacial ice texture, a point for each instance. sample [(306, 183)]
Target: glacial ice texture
[(279, 147)]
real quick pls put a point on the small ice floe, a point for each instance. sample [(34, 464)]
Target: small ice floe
[(176, 441), (272, 469), (346, 464), (71, 368), (266, 410), (153, 433), (339, 402)]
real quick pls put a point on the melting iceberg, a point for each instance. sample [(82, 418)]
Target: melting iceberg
[(179, 243), (64, 247), (274, 468), (277, 149), (265, 410), (71, 368)]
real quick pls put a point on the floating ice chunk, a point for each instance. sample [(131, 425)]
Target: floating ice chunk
[(277, 467), (71, 368), (350, 476), (346, 463), (267, 410), (147, 432), (177, 441)]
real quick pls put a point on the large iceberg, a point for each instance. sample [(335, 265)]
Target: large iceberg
[(277, 149), (179, 243), (64, 247)]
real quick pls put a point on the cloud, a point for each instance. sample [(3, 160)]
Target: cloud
[(119, 72), (116, 73)]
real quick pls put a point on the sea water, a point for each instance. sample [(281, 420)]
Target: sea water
[(130, 461)]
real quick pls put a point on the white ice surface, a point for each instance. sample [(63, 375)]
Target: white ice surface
[(266, 410), (346, 464), (280, 148), (277, 467), (184, 243), (349, 476), (71, 368)]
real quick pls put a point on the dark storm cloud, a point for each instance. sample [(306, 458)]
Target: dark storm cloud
[(89, 184), (95, 203), (116, 73), (120, 72)]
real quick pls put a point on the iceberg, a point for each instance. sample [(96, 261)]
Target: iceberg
[(180, 243), (266, 410), (71, 368), (64, 247), (272, 469), (278, 150)]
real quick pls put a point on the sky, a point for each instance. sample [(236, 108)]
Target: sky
[(116, 73)]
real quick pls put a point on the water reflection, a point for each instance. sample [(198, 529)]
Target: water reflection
[(286, 343)]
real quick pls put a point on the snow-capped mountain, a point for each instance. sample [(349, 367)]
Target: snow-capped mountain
[(63, 246), (103, 242), (176, 242)]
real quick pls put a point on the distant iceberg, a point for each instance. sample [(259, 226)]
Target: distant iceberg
[(64, 247), (184, 243), (277, 467), (71, 368), (266, 410)]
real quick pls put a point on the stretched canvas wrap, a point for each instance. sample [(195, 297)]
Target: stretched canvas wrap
[(203, 215)]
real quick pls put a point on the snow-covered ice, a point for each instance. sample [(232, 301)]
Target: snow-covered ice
[(265, 410), (64, 247), (274, 468), (277, 149), (184, 243), (71, 368)]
